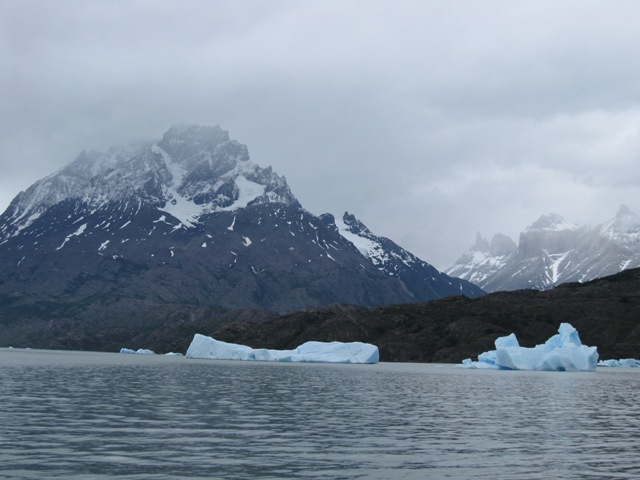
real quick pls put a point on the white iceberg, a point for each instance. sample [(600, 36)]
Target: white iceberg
[(140, 351), (313, 352), (562, 352), (623, 362)]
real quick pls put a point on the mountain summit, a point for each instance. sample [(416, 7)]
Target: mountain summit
[(188, 227), (192, 171), (552, 251)]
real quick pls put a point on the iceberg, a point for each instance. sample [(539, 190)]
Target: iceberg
[(311, 352), (623, 362), (562, 352), (140, 351)]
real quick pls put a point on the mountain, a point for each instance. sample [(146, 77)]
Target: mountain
[(189, 227), (192, 171), (604, 311), (552, 251)]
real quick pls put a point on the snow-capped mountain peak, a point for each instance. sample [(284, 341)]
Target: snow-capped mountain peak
[(500, 245), (192, 171), (484, 258), (626, 223), (357, 233), (553, 251), (551, 222)]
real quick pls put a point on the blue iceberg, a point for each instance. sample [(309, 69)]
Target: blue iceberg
[(312, 352), (562, 352), (140, 351), (623, 362)]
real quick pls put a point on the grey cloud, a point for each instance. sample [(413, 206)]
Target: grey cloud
[(429, 120)]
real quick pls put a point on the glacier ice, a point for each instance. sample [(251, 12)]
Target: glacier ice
[(146, 351), (313, 352), (562, 352), (140, 351), (623, 362)]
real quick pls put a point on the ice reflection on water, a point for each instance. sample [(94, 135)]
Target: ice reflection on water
[(88, 415)]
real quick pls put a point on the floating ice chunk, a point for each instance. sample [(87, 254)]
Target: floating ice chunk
[(468, 363), (562, 352), (623, 362), (489, 359), (140, 351), (508, 341), (315, 352), (567, 335)]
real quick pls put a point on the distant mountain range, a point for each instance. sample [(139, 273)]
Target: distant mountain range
[(552, 251), (119, 243)]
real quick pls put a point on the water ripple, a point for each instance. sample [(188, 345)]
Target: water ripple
[(83, 415)]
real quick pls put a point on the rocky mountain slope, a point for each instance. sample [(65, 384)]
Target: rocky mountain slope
[(552, 251), (117, 243)]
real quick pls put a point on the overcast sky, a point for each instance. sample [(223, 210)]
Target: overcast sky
[(429, 120)]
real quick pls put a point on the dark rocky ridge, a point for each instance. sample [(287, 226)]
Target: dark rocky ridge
[(605, 312)]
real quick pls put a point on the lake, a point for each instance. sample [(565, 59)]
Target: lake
[(99, 415)]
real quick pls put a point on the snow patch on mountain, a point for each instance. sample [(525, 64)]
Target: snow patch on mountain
[(248, 191), (77, 233), (182, 209), (366, 246), (372, 246)]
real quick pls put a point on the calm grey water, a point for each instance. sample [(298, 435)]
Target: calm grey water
[(91, 415)]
